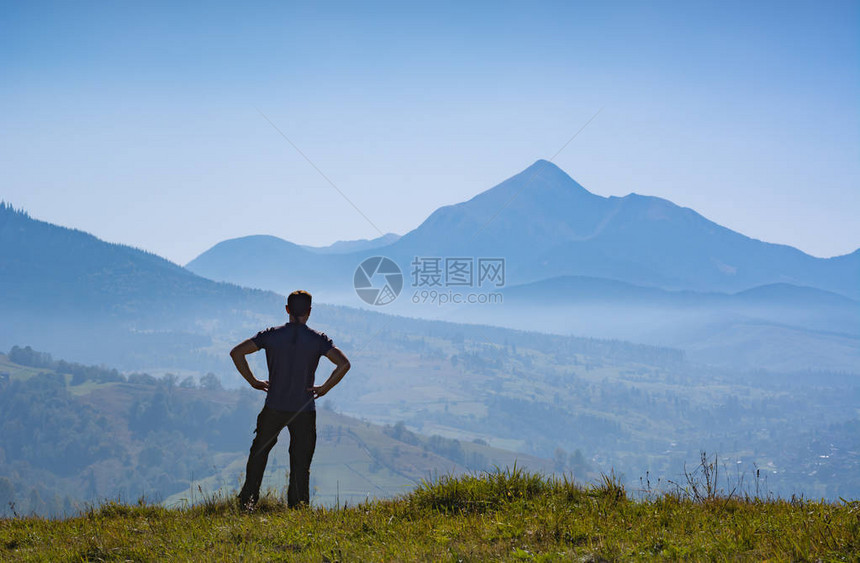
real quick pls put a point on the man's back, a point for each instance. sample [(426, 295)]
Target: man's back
[(293, 352)]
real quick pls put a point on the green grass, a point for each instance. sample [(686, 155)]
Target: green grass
[(17, 372), (507, 515)]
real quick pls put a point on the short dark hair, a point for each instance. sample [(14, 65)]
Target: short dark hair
[(299, 303)]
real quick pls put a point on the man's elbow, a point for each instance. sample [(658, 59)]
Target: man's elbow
[(235, 353), (345, 366)]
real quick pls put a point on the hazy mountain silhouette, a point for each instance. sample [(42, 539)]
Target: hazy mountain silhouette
[(547, 225), (578, 289), (257, 261), (346, 246), (52, 268), (67, 290)]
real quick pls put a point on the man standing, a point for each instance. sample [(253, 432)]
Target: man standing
[(293, 352)]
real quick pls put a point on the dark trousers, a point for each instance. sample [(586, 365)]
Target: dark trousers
[(303, 439)]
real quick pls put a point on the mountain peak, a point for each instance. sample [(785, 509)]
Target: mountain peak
[(542, 163), (545, 175), (542, 166)]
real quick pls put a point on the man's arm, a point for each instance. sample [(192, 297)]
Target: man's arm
[(238, 354), (341, 367)]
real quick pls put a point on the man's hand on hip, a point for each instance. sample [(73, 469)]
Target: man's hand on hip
[(341, 367), (319, 390), (260, 385)]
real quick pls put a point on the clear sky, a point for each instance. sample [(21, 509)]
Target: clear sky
[(139, 121)]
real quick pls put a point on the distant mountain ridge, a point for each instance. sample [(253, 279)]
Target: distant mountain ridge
[(345, 246), (98, 277), (118, 296), (582, 288), (547, 225)]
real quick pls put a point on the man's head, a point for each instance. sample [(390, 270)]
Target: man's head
[(299, 304)]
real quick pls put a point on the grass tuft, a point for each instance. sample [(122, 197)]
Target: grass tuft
[(478, 493)]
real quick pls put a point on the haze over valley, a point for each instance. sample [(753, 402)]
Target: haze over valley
[(632, 334)]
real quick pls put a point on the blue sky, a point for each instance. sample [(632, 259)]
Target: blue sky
[(139, 122)]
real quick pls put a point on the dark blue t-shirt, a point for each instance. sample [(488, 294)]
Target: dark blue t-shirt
[(293, 352)]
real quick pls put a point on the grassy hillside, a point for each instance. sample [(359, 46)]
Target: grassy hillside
[(510, 516), (356, 461), (71, 434)]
